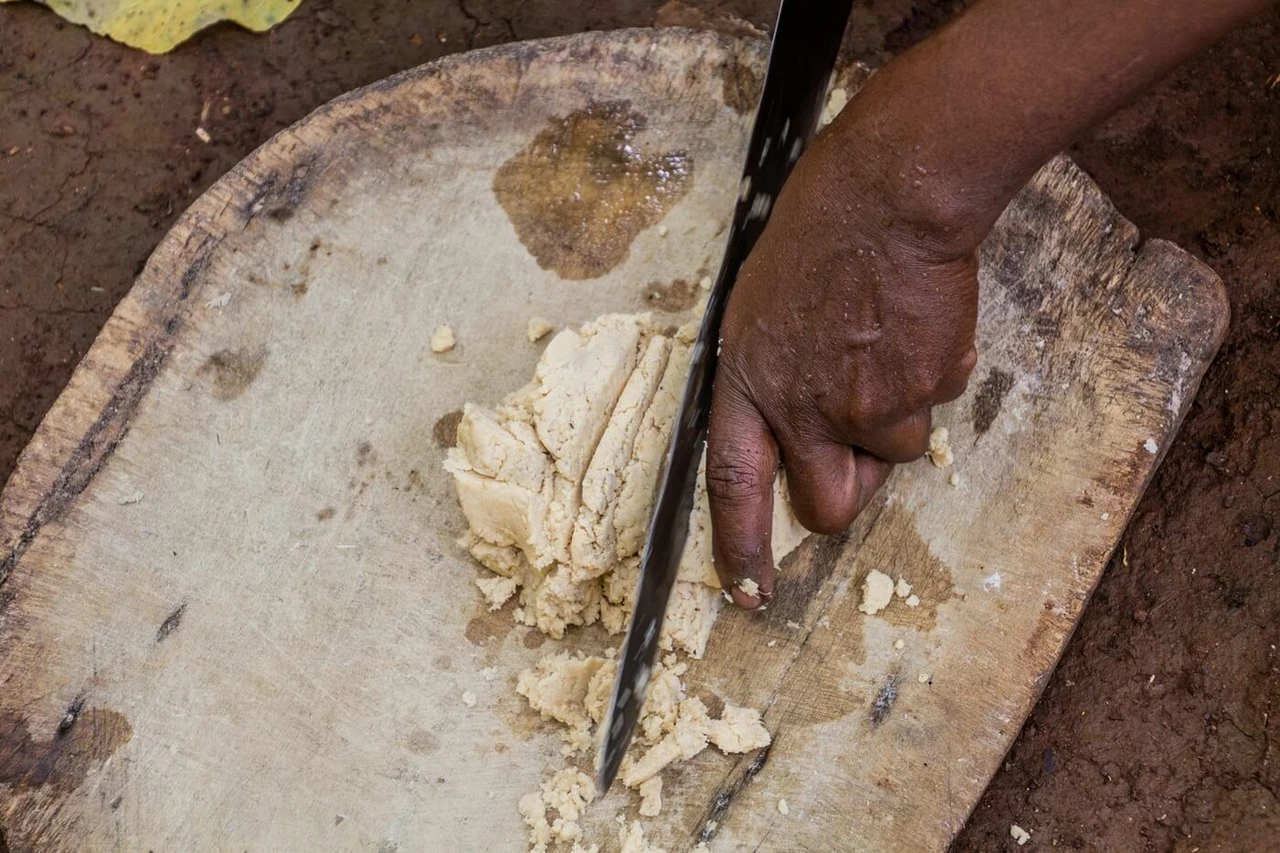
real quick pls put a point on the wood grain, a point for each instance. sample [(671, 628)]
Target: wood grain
[(231, 611)]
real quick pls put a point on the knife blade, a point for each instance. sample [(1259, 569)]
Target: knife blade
[(806, 41)]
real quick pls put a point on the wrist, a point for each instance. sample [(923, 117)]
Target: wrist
[(944, 208)]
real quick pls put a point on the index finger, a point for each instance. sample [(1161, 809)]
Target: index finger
[(742, 463)]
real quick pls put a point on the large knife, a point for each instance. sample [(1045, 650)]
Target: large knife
[(805, 43)]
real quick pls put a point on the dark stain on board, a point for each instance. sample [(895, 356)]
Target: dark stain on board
[(364, 454), (279, 196), (171, 623), (673, 296), (722, 799), (233, 370), (882, 705), (326, 514), (85, 738), (581, 191), (989, 398), (930, 578), (741, 83), (445, 431)]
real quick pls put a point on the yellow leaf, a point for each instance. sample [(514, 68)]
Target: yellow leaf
[(158, 26)]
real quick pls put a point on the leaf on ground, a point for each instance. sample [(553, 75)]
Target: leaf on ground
[(158, 26)]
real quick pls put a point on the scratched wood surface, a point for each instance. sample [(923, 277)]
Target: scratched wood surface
[(232, 615)]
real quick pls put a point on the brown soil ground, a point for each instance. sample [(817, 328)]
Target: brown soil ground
[(1156, 731)]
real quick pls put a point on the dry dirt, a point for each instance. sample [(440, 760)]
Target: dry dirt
[(1156, 731)]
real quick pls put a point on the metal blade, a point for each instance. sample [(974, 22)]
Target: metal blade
[(805, 43)]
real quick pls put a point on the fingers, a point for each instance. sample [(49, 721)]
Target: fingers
[(823, 483), (904, 440), (742, 462), (951, 387), (831, 483)]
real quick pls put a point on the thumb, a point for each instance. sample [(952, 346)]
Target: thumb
[(742, 462)]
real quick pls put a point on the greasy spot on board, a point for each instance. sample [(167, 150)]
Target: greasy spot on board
[(84, 739), (582, 190)]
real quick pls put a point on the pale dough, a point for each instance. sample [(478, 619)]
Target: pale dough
[(877, 592), (557, 484), (939, 451), (442, 339)]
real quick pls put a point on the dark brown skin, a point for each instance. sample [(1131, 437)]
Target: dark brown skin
[(855, 313)]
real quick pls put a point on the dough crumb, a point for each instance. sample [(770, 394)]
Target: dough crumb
[(663, 230), (651, 797), (913, 600), (902, 589), (954, 479), (783, 808), (566, 795), (538, 329), (1150, 446), (899, 644), (877, 592), (748, 586), (468, 699), (633, 840), (442, 340), (705, 283), (939, 451), (496, 590), (923, 677), (836, 102), (1019, 834)]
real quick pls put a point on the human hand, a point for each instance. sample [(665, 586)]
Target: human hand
[(852, 317)]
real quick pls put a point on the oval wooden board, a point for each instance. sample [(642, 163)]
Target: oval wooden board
[(234, 615)]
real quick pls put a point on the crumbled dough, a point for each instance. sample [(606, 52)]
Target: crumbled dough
[(663, 230), (496, 590), (565, 794), (538, 329), (651, 797), (442, 339), (902, 589), (836, 102), (748, 586), (557, 483), (1019, 834), (923, 677), (877, 592), (954, 479), (705, 283), (633, 840), (783, 808), (939, 451), (469, 699), (913, 600), (899, 644)]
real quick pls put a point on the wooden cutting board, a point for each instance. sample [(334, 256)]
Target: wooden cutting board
[(233, 615)]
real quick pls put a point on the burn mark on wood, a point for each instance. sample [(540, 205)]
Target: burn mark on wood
[(723, 799), (83, 740), (581, 191), (171, 623), (989, 398), (882, 706), (278, 196)]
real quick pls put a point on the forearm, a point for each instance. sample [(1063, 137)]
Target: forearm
[(965, 118)]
